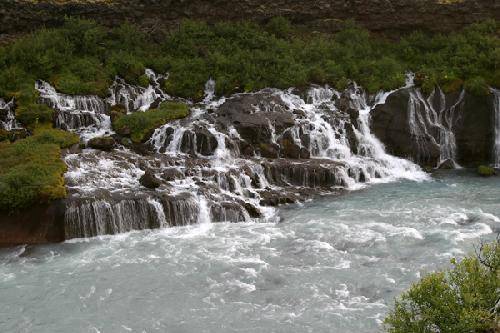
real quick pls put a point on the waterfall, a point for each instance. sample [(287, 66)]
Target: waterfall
[(86, 115), (7, 116), (135, 98), (496, 123), (432, 123), (232, 160)]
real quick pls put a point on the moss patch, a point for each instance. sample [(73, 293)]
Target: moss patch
[(140, 125), (31, 169)]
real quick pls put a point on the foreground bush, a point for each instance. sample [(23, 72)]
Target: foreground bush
[(463, 299), (140, 125), (31, 169)]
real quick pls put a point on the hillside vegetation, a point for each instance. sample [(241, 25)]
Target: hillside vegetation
[(83, 57)]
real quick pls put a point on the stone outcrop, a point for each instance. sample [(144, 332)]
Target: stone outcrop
[(418, 126), (327, 15), (37, 225)]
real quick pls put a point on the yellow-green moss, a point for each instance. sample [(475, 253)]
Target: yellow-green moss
[(140, 125), (31, 169)]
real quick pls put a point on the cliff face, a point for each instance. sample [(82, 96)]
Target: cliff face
[(432, 129), (377, 15)]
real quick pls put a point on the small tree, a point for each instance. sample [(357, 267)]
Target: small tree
[(463, 299)]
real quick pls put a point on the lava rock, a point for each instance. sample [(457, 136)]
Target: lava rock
[(105, 143), (448, 164), (206, 143), (269, 150), (172, 174), (149, 180), (252, 210)]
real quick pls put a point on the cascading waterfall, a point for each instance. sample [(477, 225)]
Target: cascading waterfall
[(7, 116), (134, 98), (496, 117), (233, 159), (87, 115), (432, 122)]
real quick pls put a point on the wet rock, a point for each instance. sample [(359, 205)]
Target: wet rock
[(188, 142), (276, 198), (37, 225), (269, 150), (252, 210), (289, 149), (149, 180), (206, 143), (310, 173), (305, 153), (448, 164), (172, 174), (105, 143), (256, 116), (471, 125), (227, 212)]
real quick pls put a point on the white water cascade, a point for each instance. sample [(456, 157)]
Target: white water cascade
[(233, 159), (86, 115), (7, 116), (432, 122), (496, 117), (135, 98)]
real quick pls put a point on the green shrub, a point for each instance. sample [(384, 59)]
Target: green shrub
[(31, 115), (140, 125), (30, 173), (463, 299), (82, 57), (56, 136)]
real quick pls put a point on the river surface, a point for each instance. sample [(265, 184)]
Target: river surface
[(334, 264)]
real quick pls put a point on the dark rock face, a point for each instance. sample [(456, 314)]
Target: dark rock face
[(326, 15), (149, 180), (417, 127), (105, 143), (255, 116), (37, 225), (475, 138)]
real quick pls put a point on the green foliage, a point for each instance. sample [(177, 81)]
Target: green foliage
[(32, 114), (82, 57), (485, 171), (462, 299), (140, 125), (31, 169), (63, 139)]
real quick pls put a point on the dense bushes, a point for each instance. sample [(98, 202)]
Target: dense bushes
[(140, 125), (463, 299), (82, 57), (31, 169)]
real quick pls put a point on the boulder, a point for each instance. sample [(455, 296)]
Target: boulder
[(149, 180), (252, 210), (486, 171), (206, 142), (269, 150), (448, 164), (105, 143), (172, 174)]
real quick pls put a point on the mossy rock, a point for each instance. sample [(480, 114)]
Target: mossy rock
[(486, 171), (140, 125)]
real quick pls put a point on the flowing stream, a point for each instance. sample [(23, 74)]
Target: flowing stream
[(331, 265)]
